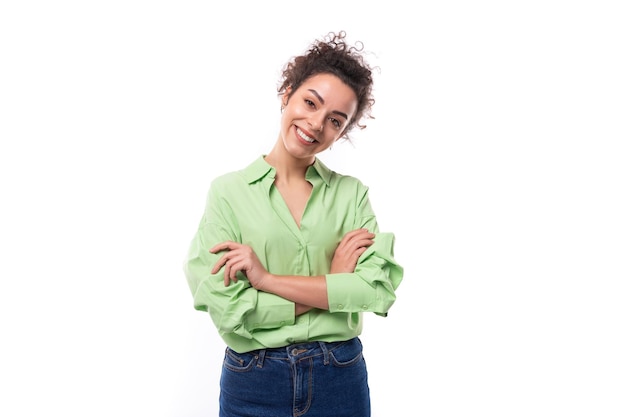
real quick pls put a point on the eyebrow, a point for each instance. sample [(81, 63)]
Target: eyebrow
[(315, 93)]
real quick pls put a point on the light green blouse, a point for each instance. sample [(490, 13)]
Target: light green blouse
[(245, 207)]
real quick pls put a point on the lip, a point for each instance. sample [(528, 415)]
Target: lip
[(304, 142)]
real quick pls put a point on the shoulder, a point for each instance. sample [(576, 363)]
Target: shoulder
[(228, 180), (242, 177), (336, 179), (346, 182)]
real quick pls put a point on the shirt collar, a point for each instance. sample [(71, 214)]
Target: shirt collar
[(322, 171), (260, 169)]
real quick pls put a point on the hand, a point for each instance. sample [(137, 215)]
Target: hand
[(352, 246), (239, 258)]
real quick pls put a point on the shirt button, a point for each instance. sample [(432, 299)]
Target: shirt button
[(364, 306), (340, 306)]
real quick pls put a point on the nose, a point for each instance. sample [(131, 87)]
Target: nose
[(316, 122)]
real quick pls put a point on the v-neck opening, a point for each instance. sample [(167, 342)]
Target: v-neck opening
[(285, 206)]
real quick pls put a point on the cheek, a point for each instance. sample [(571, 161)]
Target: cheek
[(285, 124), (288, 116), (285, 118), (297, 109), (334, 134)]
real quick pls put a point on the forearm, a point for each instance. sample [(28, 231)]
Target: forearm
[(309, 291), (301, 309)]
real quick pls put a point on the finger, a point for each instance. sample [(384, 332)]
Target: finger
[(349, 238), (354, 258), (226, 278), (219, 264), (223, 246), (364, 235), (362, 242), (233, 274), (358, 235), (359, 252), (351, 234), (367, 241), (228, 274), (232, 269)]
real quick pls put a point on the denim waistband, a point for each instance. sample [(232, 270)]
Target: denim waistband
[(300, 350)]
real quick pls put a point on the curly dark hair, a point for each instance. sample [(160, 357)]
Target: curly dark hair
[(332, 55)]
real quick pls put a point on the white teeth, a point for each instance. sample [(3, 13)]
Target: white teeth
[(305, 137)]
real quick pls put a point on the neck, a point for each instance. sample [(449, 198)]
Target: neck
[(287, 167)]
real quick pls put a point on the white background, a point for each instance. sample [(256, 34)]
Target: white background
[(496, 156)]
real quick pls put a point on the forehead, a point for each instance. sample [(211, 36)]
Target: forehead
[(335, 93)]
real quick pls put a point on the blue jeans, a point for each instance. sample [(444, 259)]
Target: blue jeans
[(315, 379)]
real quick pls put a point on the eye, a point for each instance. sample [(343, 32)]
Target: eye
[(309, 103), (335, 122)]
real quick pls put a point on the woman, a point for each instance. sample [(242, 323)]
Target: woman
[(288, 255)]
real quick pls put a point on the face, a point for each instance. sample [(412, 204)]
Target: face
[(316, 115)]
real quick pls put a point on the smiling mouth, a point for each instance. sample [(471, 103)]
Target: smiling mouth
[(303, 136)]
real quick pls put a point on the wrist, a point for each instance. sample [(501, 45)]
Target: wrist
[(265, 283)]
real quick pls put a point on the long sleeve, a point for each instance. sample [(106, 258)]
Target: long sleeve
[(371, 287), (238, 308), (244, 207)]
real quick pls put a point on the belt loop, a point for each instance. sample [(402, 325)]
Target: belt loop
[(260, 358), (325, 350)]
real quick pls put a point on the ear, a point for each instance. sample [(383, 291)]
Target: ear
[(286, 96)]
